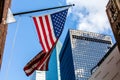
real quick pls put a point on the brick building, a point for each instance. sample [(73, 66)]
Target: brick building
[(4, 5)]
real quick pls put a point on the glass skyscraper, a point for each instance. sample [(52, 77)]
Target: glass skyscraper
[(81, 51), (53, 72)]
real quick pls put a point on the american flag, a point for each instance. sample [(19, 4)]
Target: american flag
[(49, 28)]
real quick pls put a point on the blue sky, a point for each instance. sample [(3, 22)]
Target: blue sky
[(22, 43)]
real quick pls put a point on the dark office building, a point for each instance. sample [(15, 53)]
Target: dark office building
[(81, 51)]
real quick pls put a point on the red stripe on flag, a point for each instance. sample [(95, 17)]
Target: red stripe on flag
[(35, 60), (30, 72), (38, 32), (46, 57), (32, 64), (50, 31), (45, 65), (44, 33), (43, 61), (39, 62)]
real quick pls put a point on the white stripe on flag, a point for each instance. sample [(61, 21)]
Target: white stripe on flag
[(47, 31), (31, 68), (51, 26), (44, 61), (41, 33)]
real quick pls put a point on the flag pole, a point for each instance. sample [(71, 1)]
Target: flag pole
[(27, 12)]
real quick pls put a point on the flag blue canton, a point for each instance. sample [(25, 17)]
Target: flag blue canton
[(58, 21)]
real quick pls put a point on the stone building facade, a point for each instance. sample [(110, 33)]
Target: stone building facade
[(113, 13), (4, 5)]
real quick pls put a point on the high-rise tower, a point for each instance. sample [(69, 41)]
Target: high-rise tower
[(81, 51)]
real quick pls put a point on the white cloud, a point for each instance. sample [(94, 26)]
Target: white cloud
[(90, 15)]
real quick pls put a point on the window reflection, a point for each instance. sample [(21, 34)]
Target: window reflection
[(86, 54)]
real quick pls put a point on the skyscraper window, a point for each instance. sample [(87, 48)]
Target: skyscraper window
[(82, 51)]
